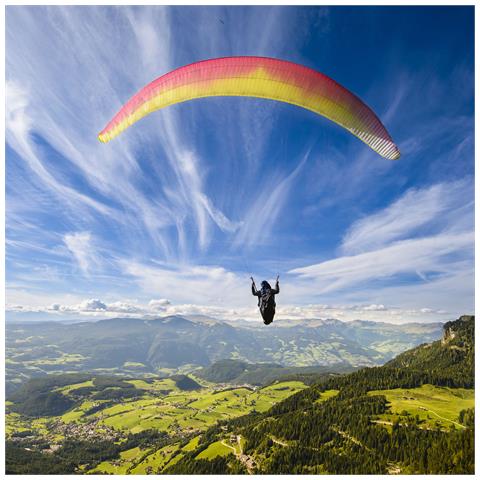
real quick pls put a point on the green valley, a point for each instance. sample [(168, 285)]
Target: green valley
[(414, 415), (178, 416)]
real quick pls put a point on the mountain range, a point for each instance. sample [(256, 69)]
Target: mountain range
[(173, 343)]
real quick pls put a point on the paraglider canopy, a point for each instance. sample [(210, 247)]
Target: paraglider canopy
[(263, 78)]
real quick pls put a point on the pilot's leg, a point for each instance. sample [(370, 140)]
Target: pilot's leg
[(268, 316)]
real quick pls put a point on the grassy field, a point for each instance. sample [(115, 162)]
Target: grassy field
[(14, 423), (189, 411), (119, 467), (77, 413), (74, 386), (215, 449), (156, 460), (65, 358), (191, 445), (142, 462), (435, 406), (156, 385), (326, 395)]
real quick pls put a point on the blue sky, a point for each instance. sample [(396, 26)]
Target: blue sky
[(175, 214)]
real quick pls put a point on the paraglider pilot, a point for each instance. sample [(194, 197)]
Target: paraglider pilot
[(266, 299)]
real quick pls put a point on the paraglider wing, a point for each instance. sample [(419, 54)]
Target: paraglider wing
[(262, 78)]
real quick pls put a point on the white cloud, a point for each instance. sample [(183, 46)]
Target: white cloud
[(17, 121), (263, 212), (432, 255), (132, 309), (18, 129), (158, 305), (97, 308), (217, 216), (447, 204), (123, 307), (81, 245), (376, 308), (92, 305), (213, 285), (32, 298), (453, 293)]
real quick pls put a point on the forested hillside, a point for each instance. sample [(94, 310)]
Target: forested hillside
[(358, 431), (238, 372)]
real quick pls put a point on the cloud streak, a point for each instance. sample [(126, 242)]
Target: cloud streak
[(81, 246), (437, 255), (264, 211), (213, 285), (441, 205)]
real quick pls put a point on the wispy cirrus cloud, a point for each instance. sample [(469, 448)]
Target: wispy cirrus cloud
[(213, 285), (442, 206), (436, 255), (82, 247), (177, 204), (112, 172), (19, 128), (263, 212)]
